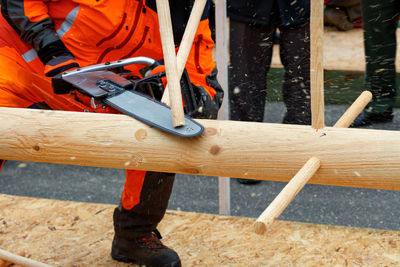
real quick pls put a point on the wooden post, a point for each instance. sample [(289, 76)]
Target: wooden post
[(266, 151), (22, 261), (288, 193), (171, 69), (221, 42), (316, 64), (187, 42)]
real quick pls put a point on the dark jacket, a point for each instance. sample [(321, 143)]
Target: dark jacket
[(259, 12)]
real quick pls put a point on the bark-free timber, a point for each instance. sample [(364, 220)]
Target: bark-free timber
[(171, 68), (351, 157), (22, 261), (288, 193)]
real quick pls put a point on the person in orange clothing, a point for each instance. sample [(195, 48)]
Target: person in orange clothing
[(40, 39)]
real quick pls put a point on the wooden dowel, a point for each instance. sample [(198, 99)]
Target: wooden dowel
[(16, 259), (316, 64), (187, 41), (283, 199), (171, 69), (354, 110), (288, 193)]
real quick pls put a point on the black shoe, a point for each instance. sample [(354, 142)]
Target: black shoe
[(147, 250), (365, 120), (277, 38), (248, 181)]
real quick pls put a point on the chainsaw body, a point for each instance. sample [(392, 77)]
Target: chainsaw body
[(108, 84)]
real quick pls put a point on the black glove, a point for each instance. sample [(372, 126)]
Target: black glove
[(60, 64), (207, 108)]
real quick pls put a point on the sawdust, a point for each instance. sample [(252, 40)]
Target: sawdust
[(62, 233)]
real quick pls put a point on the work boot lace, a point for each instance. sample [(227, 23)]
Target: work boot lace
[(152, 240)]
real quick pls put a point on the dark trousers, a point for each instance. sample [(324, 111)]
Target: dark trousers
[(145, 216), (250, 59), (380, 20)]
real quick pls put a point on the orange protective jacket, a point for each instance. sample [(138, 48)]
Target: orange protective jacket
[(105, 30)]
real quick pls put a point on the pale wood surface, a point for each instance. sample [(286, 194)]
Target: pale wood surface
[(265, 151), (72, 234), (277, 206), (171, 69), (187, 41), (288, 193), (316, 65), (17, 259), (221, 55), (354, 110)]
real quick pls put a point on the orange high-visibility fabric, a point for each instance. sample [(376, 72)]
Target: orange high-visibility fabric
[(132, 188), (35, 10), (110, 30)]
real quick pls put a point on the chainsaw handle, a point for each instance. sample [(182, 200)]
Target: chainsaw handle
[(114, 64)]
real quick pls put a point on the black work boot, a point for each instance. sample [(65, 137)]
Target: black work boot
[(145, 250), (136, 239)]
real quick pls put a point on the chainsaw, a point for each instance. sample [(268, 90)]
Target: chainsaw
[(110, 84)]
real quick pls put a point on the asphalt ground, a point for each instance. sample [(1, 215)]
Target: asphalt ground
[(319, 204)]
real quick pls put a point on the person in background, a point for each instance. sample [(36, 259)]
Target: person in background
[(343, 14), (40, 39), (380, 22), (253, 28)]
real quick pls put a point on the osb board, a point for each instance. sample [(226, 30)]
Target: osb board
[(64, 233), (343, 50)]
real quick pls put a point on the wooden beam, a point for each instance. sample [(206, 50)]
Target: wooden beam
[(251, 150)]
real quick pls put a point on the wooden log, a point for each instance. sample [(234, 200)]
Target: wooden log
[(316, 64), (171, 69), (279, 204), (352, 157), (187, 42), (22, 261)]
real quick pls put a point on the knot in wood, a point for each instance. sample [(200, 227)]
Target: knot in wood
[(210, 131), (141, 134), (215, 149)]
